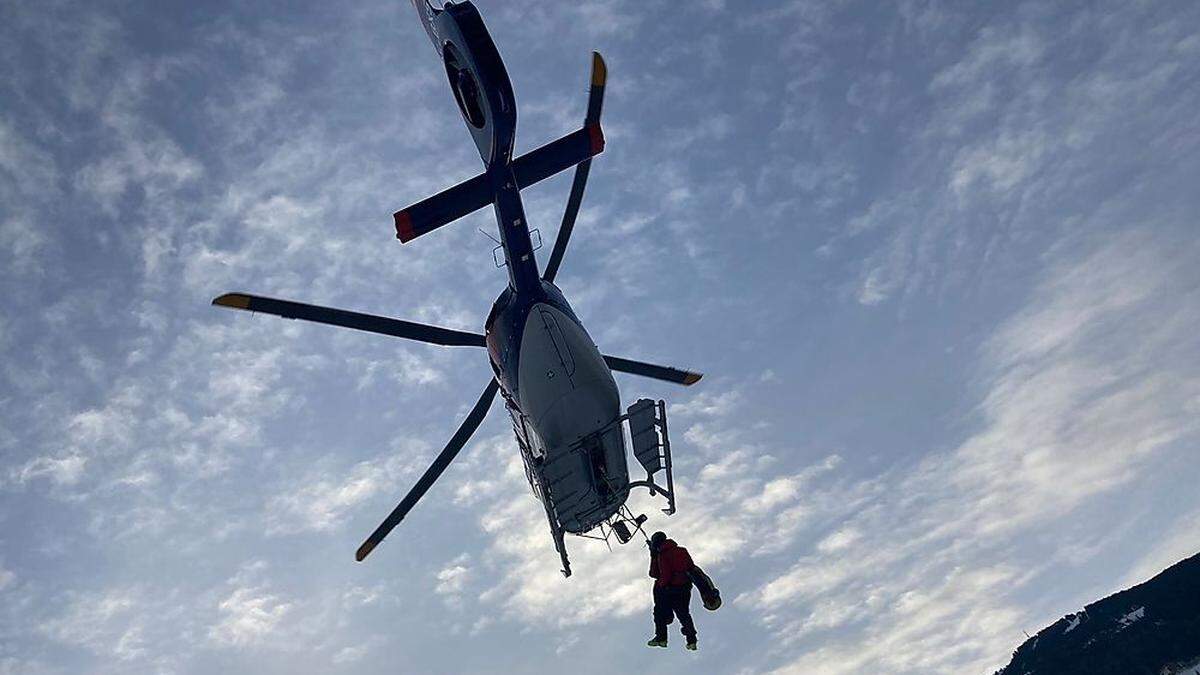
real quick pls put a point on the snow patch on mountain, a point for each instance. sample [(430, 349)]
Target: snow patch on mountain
[(1132, 616), (1073, 625)]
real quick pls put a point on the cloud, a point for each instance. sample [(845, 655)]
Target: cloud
[(61, 470), (320, 502), (948, 165), (993, 49), (838, 541), (155, 166), (1085, 387), (874, 290), (452, 581), (593, 18), (1004, 150), (352, 654), (1000, 165), (27, 170), (106, 622), (248, 616), (22, 246), (1182, 540), (250, 613)]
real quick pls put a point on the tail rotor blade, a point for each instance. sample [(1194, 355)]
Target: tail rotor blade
[(579, 182), (460, 438)]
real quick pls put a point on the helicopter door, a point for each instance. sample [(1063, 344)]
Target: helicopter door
[(560, 342), (527, 436)]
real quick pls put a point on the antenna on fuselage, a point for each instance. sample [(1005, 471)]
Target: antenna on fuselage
[(494, 240)]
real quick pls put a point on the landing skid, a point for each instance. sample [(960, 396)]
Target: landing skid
[(556, 530)]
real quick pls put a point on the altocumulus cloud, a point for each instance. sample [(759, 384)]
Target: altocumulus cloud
[(935, 262)]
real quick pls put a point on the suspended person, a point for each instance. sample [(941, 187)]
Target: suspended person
[(670, 565)]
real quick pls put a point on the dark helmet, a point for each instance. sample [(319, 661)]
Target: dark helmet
[(657, 540)]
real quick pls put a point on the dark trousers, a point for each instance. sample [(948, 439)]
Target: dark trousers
[(672, 601)]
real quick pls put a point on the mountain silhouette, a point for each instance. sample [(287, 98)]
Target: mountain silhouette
[(1152, 628)]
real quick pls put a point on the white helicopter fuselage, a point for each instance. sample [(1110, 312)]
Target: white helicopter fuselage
[(565, 406)]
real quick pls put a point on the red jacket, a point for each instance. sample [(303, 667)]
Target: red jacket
[(670, 566)]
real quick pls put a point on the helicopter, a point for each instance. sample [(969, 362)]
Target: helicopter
[(557, 386)]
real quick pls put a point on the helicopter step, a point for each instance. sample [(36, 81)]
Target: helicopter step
[(652, 447)]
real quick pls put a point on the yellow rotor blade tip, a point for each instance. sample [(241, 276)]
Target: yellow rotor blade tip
[(365, 550), (235, 300), (599, 70)]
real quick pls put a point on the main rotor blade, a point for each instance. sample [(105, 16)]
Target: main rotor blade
[(575, 199), (665, 373), (346, 319), (460, 438)]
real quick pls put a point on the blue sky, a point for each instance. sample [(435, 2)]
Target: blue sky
[(938, 263)]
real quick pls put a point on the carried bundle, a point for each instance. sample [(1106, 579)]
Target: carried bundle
[(709, 593)]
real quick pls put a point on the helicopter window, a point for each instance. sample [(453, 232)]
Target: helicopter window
[(594, 452)]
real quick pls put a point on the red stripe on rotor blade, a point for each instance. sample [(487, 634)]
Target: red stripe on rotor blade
[(597, 137), (404, 227)]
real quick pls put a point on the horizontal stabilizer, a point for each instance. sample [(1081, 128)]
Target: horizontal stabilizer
[(665, 373), (537, 165), (470, 196), (445, 207)]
